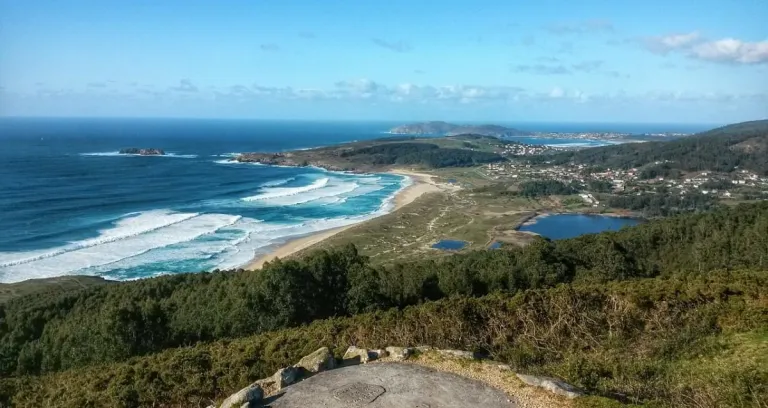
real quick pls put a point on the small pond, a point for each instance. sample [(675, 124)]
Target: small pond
[(495, 245), (562, 226), (449, 245)]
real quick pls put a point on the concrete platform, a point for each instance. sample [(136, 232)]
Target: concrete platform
[(389, 385)]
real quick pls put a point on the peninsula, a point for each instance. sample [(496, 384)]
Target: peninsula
[(385, 154), (450, 129)]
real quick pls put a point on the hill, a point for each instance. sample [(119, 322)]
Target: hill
[(464, 150), (450, 129), (740, 146)]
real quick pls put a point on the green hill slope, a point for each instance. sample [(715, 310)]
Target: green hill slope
[(738, 146), (683, 341)]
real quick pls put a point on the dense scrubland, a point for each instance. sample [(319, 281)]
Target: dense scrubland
[(669, 313)]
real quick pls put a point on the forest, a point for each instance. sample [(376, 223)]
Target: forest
[(421, 154), (540, 188), (663, 204), (725, 149)]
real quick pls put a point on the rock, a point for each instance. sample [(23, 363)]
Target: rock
[(251, 393), (423, 349), (466, 355), (377, 354), (285, 376), (359, 355), (399, 353), (504, 367), (142, 152), (551, 384), (279, 380), (320, 360)]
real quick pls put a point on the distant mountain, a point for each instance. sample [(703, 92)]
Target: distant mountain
[(450, 129), (725, 149)]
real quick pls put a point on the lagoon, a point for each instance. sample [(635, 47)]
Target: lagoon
[(450, 245), (562, 226)]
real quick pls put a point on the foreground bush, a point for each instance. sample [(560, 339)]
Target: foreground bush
[(685, 341)]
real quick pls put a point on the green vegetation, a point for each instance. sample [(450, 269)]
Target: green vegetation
[(40, 334), (50, 286), (682, 341), (540, 188), (420, 154), (382, 154), (725, 149), (407, 234), (663, 204)]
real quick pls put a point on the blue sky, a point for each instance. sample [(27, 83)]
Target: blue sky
[(674, 61)]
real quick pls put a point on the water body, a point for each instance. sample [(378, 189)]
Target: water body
[(70, 204), (562, 226), (562, 142), (450, 245)]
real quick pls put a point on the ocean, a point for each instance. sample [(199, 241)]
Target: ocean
[(71, 205)]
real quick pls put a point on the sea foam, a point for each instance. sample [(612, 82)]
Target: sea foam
[(151, 243), (269, 193), (130, 237)]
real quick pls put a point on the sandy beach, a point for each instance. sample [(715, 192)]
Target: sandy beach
[(421, 184)]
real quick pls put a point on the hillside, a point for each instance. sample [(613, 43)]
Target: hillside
[(383, 154), (683, 341), (740, 146), (105, 326), (450, 129)]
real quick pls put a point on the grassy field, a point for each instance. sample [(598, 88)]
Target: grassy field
[(410, 232)]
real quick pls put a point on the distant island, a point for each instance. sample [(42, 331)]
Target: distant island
[(142, 152), (450, 129)]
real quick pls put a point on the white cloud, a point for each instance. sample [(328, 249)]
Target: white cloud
[(666, 43), (726, 50), (732, 50), (556, 93)]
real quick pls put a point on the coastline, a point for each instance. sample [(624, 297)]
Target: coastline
[(421, 183)]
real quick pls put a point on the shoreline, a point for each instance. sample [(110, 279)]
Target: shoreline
[(421, 183)]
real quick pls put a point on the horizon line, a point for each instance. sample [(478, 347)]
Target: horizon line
[(485, 121)]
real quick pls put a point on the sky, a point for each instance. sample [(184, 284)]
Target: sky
[(657, 61)]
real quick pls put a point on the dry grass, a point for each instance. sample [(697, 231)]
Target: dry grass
[(496, 375)]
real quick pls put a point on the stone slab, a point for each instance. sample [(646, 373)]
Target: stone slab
[(389, 385)]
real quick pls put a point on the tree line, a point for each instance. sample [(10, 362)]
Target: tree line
[(663, 204)]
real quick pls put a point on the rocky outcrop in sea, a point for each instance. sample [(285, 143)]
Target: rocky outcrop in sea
[(143, 152)]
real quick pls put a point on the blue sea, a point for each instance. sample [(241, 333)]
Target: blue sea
[(70, 204)]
